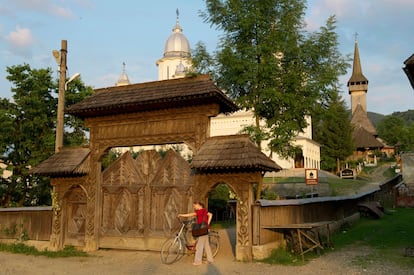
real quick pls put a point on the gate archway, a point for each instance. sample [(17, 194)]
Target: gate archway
[(236, 161)]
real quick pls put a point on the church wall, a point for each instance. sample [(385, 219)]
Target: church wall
[(358, 98), (168, 65), (234, 123)]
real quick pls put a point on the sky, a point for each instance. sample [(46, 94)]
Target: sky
[(103, 34)]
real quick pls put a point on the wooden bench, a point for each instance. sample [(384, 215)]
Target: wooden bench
[(302, 231)]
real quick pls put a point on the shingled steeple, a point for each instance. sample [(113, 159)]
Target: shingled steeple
[(358, 83)]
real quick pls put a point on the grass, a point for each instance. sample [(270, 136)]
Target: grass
[(21, 248), (341, 187), (338, 186), (282, 257), (387, 239), (388, 236)]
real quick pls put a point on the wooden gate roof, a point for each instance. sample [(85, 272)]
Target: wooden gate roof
[(183, 92), (68, 162), (231, 153)]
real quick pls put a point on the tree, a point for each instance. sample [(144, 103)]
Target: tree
[(27, 131), (333, 130), (268, 63), (395, 131)]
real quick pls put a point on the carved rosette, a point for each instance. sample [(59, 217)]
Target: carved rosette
[(242, 224)]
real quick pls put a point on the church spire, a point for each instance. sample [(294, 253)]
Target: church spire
[(357, 77), (358, 83)]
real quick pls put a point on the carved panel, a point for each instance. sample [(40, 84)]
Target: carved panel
[(122, 172), (142, 197), (67, 197), (190, 125), (75, 216)]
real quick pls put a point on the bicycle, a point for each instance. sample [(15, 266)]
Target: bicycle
[(174, 248)]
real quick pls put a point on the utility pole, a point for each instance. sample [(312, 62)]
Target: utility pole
[(60, 122)]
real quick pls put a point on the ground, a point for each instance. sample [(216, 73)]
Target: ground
[(134, 262), (108, 262)]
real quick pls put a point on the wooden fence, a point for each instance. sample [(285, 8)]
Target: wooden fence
[(337, 210), (32, 223)]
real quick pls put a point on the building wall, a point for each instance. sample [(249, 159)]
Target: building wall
[(234, 123), (358, 97), (167, 67)]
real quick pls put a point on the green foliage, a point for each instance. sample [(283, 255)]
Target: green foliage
[(388, 237), (202, 60), (396, 132), (27, 132), (16, 231), (220, 192), (21, 248), (375, 118), (217, 202), (283, 257), (269, 195), (29, 141), (333, 130), (74, 127), (407, 116), (109, 158), (268, 63)]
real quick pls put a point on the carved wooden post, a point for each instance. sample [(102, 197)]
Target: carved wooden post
[(93, 203), (244, 222), (56, 238)]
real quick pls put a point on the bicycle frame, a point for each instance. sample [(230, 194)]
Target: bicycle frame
[(175, 247)]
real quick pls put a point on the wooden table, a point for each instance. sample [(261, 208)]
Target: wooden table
[(303, 234)]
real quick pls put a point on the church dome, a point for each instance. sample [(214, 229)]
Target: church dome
[(177, 44), (123, 79)]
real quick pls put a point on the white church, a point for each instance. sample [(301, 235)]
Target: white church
[(176, 61)]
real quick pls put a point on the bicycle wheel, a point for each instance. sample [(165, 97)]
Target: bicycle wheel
[(171, 250), (214, 243)]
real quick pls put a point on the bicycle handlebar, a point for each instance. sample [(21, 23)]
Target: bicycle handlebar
[(185, 221)]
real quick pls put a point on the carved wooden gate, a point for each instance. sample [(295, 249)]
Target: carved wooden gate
[(142, 197), (133, 204)]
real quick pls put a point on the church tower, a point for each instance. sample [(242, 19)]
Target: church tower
[(358, 84), (358, 87), (176, 59)]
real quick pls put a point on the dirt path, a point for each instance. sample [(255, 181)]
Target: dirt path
[(108, 262)]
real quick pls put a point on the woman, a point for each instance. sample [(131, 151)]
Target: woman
[(202, 242)]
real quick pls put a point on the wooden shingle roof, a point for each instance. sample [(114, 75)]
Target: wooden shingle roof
[(364, 139), (357, 76), (183, 92), (360, 119), (67, 162), (231, 153)]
